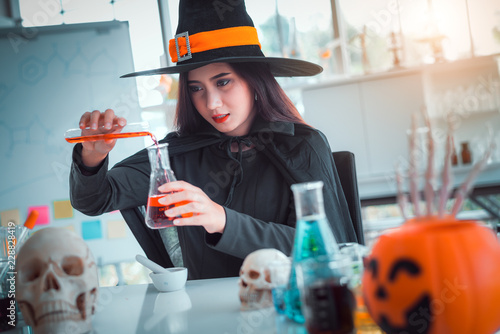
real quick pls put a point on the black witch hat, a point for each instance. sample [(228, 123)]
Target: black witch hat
[(221, 31)]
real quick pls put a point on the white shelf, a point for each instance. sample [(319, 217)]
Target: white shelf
[(378, 186)]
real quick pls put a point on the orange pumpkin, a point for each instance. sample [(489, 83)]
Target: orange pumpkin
[(434, 276)]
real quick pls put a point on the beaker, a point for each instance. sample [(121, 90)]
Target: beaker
[(74, 136), (161, 173), (313, 238), (328, 303)]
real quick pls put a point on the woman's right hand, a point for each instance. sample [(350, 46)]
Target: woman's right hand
[(96, 122)]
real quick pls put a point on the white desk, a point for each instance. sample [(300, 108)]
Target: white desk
[(203, 306)]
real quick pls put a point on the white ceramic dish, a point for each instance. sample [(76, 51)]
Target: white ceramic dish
[(171, 280)]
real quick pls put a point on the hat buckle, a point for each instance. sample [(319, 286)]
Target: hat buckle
[(188, 55)]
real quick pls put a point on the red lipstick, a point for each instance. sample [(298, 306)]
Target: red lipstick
[(221, 118)]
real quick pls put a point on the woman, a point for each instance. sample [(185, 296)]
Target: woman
[(239, 145)]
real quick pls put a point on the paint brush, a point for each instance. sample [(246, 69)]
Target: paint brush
[(447, 177), (429, 175), (413, 173), (402, 198), (468, 184)]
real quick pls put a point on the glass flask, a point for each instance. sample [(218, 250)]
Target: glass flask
[(325, 289), (160, 174), (313, 239)]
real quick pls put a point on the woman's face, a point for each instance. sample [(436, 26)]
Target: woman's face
[(222, 98)]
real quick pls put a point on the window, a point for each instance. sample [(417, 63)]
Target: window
[(373, 36), (388, 34), (288, 28), (485, 26)]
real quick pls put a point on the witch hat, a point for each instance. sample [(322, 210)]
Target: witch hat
[(221, 31)]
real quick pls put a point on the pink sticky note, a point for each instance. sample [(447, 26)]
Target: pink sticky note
[(44, 217)]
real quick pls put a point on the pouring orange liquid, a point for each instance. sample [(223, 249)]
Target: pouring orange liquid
[(108, 136), (132, 130)]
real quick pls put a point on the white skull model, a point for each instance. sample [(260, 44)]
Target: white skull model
[(57, 282), (256, 280)]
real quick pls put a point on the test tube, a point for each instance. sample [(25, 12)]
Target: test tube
[(131, 130)]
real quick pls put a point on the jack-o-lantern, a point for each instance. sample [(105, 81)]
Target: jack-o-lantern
[(434, 276)]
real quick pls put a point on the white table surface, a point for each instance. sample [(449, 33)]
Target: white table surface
[(203, 306), (207, 306)]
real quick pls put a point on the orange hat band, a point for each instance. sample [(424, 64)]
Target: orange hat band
[(183, 46)]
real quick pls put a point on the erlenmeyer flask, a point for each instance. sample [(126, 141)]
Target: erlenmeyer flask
[(313, 238), (160, 174)]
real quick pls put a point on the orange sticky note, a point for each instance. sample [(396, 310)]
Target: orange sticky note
[(63, 209), (10, 216)]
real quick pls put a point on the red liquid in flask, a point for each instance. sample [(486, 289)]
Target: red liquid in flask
[(156, 213), (156, 217)]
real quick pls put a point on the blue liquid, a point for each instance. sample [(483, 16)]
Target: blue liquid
[(293, 309), (313, 238), (279, 298)]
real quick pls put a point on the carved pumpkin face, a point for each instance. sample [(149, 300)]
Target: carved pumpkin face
[(392, 283), (434, 276)]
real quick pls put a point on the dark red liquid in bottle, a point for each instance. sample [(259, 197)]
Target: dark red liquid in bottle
[(331, 309)]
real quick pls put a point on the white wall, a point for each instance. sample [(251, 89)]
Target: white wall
[(49, 77)]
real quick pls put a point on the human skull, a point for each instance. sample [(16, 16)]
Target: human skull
[(256, 280), (57, 282)]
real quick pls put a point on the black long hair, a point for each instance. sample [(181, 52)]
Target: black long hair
[(272, 103)]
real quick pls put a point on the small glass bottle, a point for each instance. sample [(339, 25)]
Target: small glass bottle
[(313, 238), (454, 157), (160, 174), (465, 153)]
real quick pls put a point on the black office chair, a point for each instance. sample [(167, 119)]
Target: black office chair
[(346, 168)]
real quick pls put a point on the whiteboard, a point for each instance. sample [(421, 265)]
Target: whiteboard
[(49, 76)]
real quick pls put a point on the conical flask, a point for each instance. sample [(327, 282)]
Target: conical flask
[(313, 238), (160, 174)]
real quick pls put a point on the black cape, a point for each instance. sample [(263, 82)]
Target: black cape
[(299, 152)]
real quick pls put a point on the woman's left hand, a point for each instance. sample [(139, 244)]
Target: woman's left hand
[(199, 209)]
